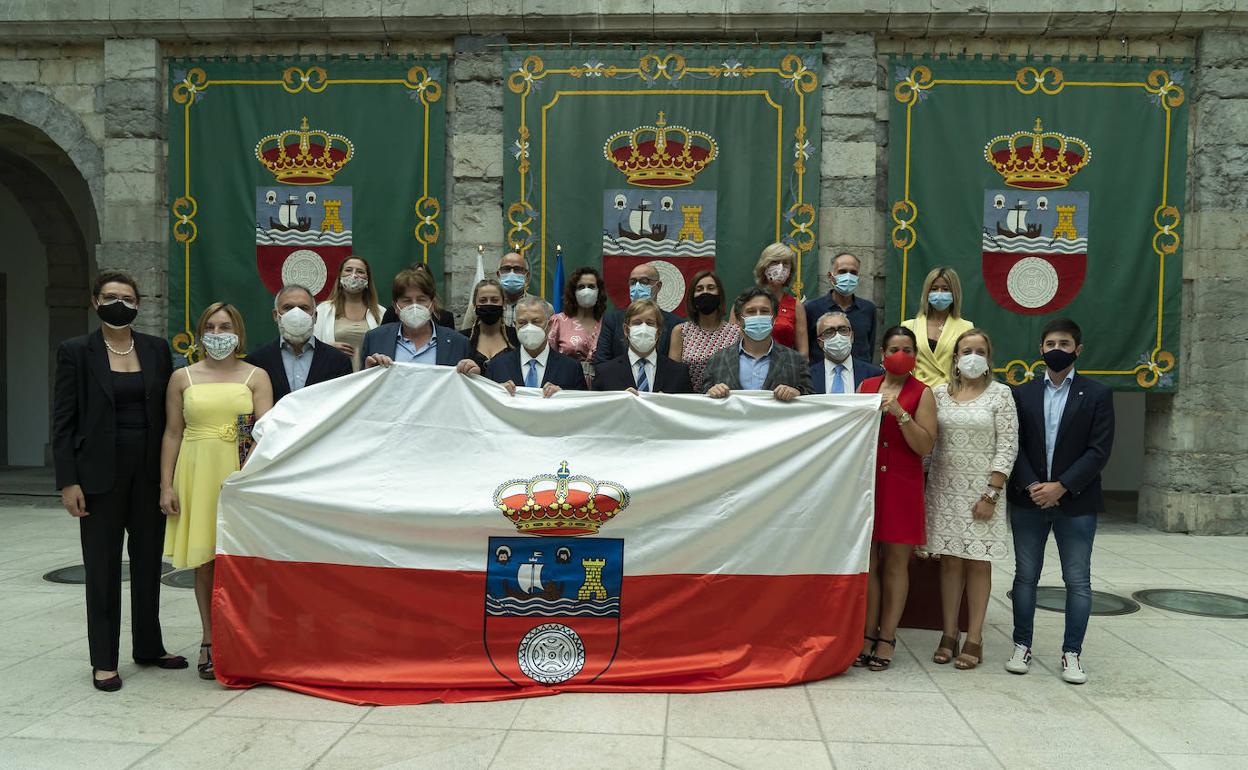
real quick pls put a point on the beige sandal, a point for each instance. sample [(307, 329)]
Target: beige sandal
[(970, 650), (946, 643)]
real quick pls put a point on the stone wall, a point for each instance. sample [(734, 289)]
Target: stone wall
[(1196, 454), (90, 75)]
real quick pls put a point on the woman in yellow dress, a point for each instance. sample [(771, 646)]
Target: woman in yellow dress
[(938, 325), (200, 448)]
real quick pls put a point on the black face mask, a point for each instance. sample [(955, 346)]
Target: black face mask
[(1058, 360), (116, 313), (489, 314), (706, 303)]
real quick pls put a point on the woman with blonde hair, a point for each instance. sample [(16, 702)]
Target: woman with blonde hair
[(938, 325), (773, 273), (351, 310), (976, 443), (206, 404)]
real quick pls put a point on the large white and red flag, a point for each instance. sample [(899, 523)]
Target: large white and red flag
[(411, 534)]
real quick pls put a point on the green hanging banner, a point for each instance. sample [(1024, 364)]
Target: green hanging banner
[(1054, 188), (280, 169), (690, 159)]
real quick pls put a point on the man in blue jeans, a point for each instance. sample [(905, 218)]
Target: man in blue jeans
[(1066, 430)]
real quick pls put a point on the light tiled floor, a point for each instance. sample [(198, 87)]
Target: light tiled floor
[(1166, 690)]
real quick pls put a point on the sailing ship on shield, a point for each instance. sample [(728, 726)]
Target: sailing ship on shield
[(288, 217)]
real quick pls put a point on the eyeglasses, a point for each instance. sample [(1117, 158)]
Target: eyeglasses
[(504, 269), (834, 330), (641, 282), (126, 300)]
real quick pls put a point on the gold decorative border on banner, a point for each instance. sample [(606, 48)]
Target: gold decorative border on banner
[(314, 79), (651, 68), (1050, 81)]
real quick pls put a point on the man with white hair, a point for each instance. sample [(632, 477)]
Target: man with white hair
[(535, 364), (295, 360), (837, 371)]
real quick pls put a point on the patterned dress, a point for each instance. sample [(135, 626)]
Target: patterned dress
[(698, 345), (569, 336), (974, 439)]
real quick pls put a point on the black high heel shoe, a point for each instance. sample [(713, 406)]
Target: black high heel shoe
[(112, 684), (206, 670), (864, 659), (175, 661)]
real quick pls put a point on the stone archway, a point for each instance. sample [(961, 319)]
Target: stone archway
[(58, 202)]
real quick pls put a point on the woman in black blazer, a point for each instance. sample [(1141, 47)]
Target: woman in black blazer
[(108, 419)]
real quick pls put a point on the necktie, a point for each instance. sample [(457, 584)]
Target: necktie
[(838, 384), (642, 382), (530, 379)]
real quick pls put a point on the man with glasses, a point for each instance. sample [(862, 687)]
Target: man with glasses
[(837, 371), (513, 275), (643, 283)]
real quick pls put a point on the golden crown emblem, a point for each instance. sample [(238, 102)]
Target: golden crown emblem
[(660, 155), (303, 155), (560, 504), (1037, 160)]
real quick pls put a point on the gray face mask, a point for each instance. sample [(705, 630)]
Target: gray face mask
[(219, 346)]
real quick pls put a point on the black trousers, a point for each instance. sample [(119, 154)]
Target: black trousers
[(132, 506)]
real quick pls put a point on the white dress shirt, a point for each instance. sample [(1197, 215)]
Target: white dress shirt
[(540, 358), (847, 376), (652, 366)]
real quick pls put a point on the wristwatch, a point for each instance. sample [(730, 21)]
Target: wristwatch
[(992, 494), (904, 418)]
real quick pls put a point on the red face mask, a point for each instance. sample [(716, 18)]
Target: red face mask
[(899, 363)]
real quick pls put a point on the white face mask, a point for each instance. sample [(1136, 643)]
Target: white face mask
[(295, 325), (531, 336), (777, 273), (586, 297), (415, 316), (973, 366), (642, 337), (219, 346), (353, 283), (837, 347)]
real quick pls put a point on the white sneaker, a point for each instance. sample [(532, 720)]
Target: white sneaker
[(1072, 669), (1020, 661)]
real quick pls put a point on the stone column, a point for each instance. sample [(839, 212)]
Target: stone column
[(133, 233), (475, 187), (1195, 467), (850, 167)]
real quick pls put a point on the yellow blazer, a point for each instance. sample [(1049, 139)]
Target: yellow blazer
[(932, 366)]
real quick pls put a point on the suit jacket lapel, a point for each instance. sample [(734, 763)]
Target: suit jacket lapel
[(147, 363), (1074, 399), (100, 367), (282, 386)]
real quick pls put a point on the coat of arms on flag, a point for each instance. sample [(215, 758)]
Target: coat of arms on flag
[(303, 224), (552, 602), (1035, 235), (672, 229)]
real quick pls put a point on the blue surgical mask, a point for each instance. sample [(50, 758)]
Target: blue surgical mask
[(941, 300), (638, 291), (513, 283), (846, 283), (757, 327)]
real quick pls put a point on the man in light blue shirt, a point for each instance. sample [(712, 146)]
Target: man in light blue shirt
[(408, 352), (757, 363), (1055, 395)]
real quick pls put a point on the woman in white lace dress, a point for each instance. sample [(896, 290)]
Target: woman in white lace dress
[(975, 449)]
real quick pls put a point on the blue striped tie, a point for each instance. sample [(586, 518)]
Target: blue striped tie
[(530, 379), (643, 383)]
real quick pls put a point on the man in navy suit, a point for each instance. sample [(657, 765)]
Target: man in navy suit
[(843, 276), (1066, 431), (535, 364), (643, 283), (416, 339), (294, 359), (837, 371), (643, 367)]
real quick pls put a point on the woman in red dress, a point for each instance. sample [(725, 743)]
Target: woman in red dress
[(773, 273), (907, 433)]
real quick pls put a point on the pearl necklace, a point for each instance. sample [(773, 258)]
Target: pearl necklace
[(116, 352)]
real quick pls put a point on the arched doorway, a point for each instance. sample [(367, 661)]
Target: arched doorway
[(48, 232)]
